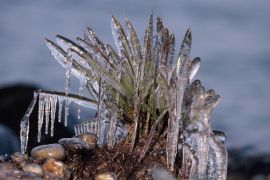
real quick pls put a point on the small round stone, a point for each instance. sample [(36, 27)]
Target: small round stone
[(106, 176), (56, 151), (33, 168), (89, 139), (56, 167), (161, 173), (8, 166), (10, 171)]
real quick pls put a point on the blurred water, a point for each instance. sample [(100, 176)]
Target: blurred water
[(231, 37)]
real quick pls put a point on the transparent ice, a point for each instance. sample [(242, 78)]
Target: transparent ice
[(135, 90)]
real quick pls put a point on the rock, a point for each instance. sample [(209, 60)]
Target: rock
[(7, 166), (75, 148), (30, 176), (56, 167), (160, 173), (106, 176), (55, 151), (9, 171), (89, 139), (11, 175), (33, 168), (19, 159), (51, 176)]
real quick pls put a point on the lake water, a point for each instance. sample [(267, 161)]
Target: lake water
[(231, 37)]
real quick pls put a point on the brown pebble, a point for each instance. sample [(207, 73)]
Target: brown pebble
[(55, 151), (106, 176), (51, 176), (89, 139), (56, 167), (33, 168)]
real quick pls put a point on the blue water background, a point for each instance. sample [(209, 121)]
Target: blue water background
[(231, 37)]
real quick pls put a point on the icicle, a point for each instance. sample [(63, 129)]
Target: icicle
[(40, 114), (67, 105), (24, 131), (217, 161), (76, 130), (67, 84), (112, 128), (120, 38), (68, 73), (81, 89), (204, 128), (220, 136), (101, 127), (189, 163), (60, 107), (47, 101), (87, 127), (194, 67), (134, 41), (176, 99), (24, 126), (53, 111)]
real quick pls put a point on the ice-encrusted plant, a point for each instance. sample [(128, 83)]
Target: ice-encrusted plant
[(137, 91)]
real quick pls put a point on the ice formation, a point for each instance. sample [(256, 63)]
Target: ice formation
[(136, 90)]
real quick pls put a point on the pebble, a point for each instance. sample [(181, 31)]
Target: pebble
[(33, 168), (106, 176), (9, 171), (56, 167), (55, 151), (51, 176), (30, 176), (7, 166), (160, 173), (89, 139), (75, 148)]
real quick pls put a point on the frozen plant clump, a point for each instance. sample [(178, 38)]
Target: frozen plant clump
[(141, 93)]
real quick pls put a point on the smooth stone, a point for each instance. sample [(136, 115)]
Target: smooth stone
[(106, 176), (89, 139), (51, 176), (33, 168), (8, 166), (10, 171), (30, 176), (57, 168), (12, 175), (19, 158), (75, 148), (56, 151), (160, 173)]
